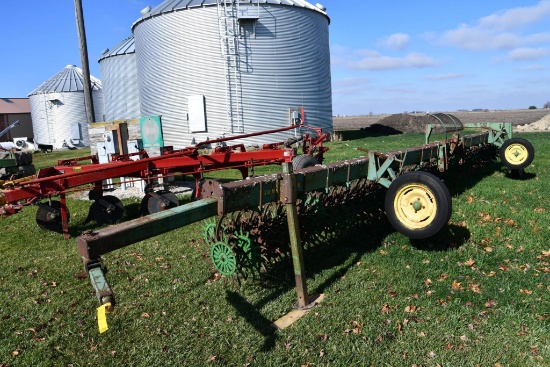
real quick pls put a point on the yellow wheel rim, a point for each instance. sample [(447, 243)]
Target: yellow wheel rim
[(516, 154), (415, 206)]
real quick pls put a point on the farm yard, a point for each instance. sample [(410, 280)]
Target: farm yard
[(476, 294)]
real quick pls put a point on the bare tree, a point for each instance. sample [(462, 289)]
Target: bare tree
[(547, 105)]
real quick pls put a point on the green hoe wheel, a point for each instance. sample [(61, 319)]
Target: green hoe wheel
[(223, 258)]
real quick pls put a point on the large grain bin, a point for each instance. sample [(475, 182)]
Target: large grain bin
[(119, 80), (216, 69), (58, 109)]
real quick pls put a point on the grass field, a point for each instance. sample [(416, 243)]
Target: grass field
[(476, 295)]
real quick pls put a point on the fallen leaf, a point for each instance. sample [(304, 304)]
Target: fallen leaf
[(525, 291), (322, 353), (456, 285), (539, 210), (428, 281), (442, 277), (488, 249), (15, 353), (476, 288), (546, 253), (470, 199), (421, 334), (431, 354), (146, 315), (386, 308), (469, 262), (393, 293), (411, 308), (490, 303), (383, 252)]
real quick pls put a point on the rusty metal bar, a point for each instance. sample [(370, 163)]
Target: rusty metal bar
[(93, 245)]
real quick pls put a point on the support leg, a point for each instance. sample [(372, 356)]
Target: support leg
[(64, 217), (289, 198)]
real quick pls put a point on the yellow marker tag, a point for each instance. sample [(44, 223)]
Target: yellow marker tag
[(102, 317)]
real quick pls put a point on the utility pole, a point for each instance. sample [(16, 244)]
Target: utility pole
[(88, 100)]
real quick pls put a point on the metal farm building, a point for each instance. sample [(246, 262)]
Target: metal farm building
[(58, 109), (221, 68), (120, 82)]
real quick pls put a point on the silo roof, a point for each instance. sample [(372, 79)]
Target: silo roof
[(70, 79), (168, 6), (125, 47)]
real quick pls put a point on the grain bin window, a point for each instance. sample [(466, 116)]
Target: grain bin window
[(197, 114), (247, 28)]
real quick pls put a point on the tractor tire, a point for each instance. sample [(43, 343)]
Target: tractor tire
[(23, 158), (517, 153), (304, 161), (418, 204)]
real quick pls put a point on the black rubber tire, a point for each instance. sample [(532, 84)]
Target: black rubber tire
[(525, 153), (101, 214), (304, 161), (23, 158), (429, 192)]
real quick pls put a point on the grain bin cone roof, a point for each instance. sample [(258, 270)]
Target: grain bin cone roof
[(125, 47), (168, 6), (70, 79)]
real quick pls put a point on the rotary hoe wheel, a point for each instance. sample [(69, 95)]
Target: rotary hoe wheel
[(232, 251), (224, 258)]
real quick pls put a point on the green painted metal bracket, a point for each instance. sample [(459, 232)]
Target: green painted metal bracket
[(103, 291)]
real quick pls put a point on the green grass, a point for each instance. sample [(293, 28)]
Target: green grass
[(478, 294)]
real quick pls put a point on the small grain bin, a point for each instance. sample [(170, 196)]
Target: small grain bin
[(222, 68), (58, 109), (119, 80)]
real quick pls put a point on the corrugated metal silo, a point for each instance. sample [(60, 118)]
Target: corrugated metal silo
[(58, 109), (119, 80), (213, 68)]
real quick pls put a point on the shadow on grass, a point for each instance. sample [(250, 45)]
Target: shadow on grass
[(520, 175), (451, 237), (251, 314)]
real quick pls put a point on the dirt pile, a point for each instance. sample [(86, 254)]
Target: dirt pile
[(541, 125), (403, 123)]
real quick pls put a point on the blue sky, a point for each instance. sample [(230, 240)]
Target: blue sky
[(387, 56)]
